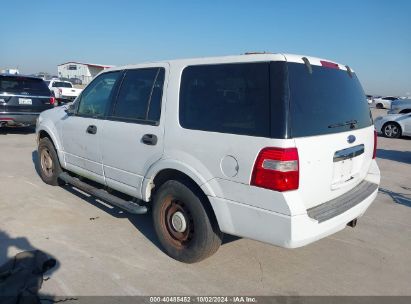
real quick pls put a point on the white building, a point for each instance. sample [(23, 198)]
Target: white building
[(83, 71), (10, 71)]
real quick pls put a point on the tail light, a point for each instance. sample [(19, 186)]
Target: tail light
[(374, 154), (276, 169), (52, 100)]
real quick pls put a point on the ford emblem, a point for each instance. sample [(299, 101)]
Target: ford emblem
[(351, 139)]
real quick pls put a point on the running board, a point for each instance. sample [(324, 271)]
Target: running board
[(128, 206)]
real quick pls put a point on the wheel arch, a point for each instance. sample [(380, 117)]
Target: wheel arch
[(45, 132), (186, 177), (168, 168)]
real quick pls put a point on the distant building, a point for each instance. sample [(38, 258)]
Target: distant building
[(83, 71), (10, 71)]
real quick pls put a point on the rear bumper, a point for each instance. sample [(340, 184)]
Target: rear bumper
[(19, 118), (284, 230)]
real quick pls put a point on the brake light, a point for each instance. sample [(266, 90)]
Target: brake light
[(374, 154), (52, 100), (276, 169), (330, 65)]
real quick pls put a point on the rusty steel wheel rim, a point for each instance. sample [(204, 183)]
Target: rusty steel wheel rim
[(46, 162), (176, 222)]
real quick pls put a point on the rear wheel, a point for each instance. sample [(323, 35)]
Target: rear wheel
[(391, 130), (185, 227), (379, 106), (50, 168)]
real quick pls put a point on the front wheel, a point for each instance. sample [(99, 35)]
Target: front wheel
[(186, 228), (391, 130), (50, 168)]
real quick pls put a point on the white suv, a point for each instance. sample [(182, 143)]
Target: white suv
[(273, 147)]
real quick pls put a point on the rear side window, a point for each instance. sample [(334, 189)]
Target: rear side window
[(226, 98), (140, 95), (325, 101), (23, 84)]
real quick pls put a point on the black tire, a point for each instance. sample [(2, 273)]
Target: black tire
[(391, 130), (201, 237), (49, 165), (379, 106)]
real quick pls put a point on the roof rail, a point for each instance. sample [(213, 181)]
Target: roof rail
[(256, 52)]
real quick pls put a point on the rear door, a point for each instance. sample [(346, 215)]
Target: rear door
[(132, 136), (24, 95), (331, 124)]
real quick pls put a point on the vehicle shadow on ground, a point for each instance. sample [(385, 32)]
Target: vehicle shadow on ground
[(398, 156), (17, 130), (399, 198), (34, 158), (143, 222)]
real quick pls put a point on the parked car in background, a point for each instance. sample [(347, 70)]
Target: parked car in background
[(22, 99), (215, 145), (384, 102), (400, 106), (63, 91), (394, 125)]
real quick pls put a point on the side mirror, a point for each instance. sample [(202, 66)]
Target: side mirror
[(71, 109)]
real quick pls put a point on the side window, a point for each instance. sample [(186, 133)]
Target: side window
[(96, 97), (140, 95), (226, 98)]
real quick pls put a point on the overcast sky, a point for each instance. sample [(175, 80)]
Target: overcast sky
[(373, 37)]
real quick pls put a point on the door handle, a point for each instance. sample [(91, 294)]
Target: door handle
[(91, 129), (149, 139)]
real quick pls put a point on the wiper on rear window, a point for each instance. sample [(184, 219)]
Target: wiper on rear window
[(351, 123)]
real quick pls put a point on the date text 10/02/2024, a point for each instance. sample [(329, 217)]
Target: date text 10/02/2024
[(199, 299)]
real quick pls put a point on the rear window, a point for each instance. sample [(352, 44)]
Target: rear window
[(325, 101), (271, 99), (226, 98), (23, 84), (61, 84)]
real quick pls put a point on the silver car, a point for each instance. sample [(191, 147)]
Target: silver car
[(400, 106), (394, 125)]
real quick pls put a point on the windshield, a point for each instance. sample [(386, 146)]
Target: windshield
[(23, 84), (325, 101)]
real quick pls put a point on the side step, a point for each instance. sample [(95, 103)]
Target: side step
[(130, 207)]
